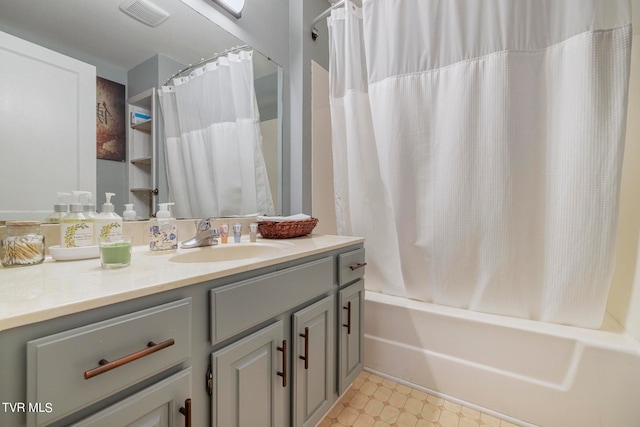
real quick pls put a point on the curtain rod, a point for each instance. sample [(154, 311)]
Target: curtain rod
[(314, 30), (204, 61)]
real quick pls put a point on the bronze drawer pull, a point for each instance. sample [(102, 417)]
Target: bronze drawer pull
[(357, 266), (348, 325), (186, 411), (306, 348), (283, 374), (105, 365)]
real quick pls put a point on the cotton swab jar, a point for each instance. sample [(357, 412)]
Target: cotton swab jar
[(24, 245)]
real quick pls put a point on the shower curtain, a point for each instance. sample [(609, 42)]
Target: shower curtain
[(478, 148), (213, 143)]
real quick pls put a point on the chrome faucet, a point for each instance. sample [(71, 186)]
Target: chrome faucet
[(206, 235)]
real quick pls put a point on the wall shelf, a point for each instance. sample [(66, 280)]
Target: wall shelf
[(144, 126), (142, 154), (141, 161)]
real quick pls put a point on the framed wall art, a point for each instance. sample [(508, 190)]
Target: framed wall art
[(110, 120)]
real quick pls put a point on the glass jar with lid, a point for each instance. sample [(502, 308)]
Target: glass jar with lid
[(23, 245)]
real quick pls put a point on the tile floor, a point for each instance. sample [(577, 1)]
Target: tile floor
[(373, 401)]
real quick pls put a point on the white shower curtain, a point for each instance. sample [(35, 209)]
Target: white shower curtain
[(213, 143), (479, 150)]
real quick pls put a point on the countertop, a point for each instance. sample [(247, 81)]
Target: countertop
[(57, 288)]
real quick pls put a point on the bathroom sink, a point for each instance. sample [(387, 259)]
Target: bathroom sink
[(230, 252)]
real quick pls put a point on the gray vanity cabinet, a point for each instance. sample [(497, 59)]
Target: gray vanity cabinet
[(272, 347), (350, 317), (252, 377), (165, 404), (249, 380), (93, 362), (351, 353), (313, 362), (286, 369)]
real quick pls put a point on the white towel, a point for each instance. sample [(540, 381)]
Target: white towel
[(297, 217)]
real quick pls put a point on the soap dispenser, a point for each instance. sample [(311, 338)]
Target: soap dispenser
[(60, 209), (88, 207), (163, 231), (75, 228), (129, 214), (89, 210), (108, 224)]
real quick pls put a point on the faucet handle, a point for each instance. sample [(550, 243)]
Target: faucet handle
[(204, 224)]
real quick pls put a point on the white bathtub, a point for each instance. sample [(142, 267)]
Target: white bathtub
[(534, 372)]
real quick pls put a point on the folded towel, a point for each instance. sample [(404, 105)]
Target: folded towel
[(297, 217)]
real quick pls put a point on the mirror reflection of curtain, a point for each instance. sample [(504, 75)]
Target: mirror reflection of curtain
[(213, 143)]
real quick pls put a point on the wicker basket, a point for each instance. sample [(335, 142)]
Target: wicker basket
[(286, 229)]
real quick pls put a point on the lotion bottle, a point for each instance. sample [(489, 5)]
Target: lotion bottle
[(163, 230), (108, 224), (76, 229)]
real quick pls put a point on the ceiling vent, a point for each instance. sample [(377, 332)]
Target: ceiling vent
[(144, 11)]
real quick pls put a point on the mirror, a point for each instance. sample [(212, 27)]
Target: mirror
[(119, 46)]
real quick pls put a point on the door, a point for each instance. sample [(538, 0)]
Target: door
[(351, 355), (250, 380), (47, 127), (313, 362)]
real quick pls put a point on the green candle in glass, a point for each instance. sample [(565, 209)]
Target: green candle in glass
[(114, 254)]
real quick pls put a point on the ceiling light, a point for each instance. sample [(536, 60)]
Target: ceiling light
[(234, 7), (203, 7)]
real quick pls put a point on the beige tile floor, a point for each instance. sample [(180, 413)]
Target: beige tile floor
[(376, 401)]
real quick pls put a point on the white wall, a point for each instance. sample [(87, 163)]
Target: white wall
[(322, 204), (624, 297)]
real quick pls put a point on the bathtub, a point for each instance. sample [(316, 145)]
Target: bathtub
[(531, 373)]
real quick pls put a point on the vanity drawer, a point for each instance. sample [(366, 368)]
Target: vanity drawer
[(61, 368), (239, 306), (350, 266)]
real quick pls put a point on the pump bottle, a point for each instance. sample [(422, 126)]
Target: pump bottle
[(76, 229), (108, 224), (163, 231), (88, 207), (60, 209), (89, 210), (129, 214)]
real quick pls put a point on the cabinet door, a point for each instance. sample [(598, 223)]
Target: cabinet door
[(313, 362), (351, 355), (250, 379), (155, 406)]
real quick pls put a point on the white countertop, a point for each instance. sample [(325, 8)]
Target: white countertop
[(54, 288)]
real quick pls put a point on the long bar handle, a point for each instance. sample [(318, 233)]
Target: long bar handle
[(348, 325), (283, 374), (105, 365), (186, 411), (306, 348), (357, 266)]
